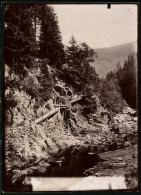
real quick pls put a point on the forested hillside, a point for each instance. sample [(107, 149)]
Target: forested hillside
[(126, 77), (109, 59), (56, 106)]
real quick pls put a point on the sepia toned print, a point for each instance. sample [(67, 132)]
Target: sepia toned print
[(70, 98)]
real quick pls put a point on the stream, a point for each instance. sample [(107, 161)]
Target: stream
[(78, 183), (66, 173)]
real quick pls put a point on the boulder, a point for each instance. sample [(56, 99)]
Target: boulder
[(123, 136), (114, 128), (116, 135), (127, 143), (135, 119)]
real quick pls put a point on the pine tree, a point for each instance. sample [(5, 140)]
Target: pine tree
[(46, 82), (73, 53), (110, 96), (19, 37), (118, 66), (111, 76), (119, 73), (86, 53), (79, 71), (127, 80), (51, 46)]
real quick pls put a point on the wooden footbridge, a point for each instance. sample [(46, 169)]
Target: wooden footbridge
[(57, 107)]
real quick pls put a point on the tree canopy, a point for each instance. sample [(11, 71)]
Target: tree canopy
[(127, 78), (78, 71), (51, 46), (19, 36)]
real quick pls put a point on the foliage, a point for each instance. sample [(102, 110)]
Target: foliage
[(73, 53), (51, 46), (10, 102), (90, 106), (110, 76), (110, 96), (78, 70), (21, 46), (131, 175), (127, 80), (30, 87), (46, 82), (19, 38), (89, 81)]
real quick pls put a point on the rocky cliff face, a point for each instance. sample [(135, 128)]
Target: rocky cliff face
[(58, 143)]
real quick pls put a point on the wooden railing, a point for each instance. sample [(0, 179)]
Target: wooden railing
[(57, 108)]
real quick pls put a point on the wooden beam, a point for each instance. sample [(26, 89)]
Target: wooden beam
[(75, 100), (37, 121)]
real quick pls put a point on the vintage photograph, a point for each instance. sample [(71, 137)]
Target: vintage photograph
[(70, 97)]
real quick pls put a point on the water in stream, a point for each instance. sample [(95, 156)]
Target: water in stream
[(78, 183), (68, 174)]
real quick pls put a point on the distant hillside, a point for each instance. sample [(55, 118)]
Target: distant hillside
[(109, 57)]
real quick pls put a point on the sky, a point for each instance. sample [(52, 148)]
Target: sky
[(96, 25)]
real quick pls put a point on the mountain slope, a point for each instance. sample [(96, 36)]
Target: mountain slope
[(109, 57)]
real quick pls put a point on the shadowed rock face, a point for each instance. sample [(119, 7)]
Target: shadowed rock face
[(61, 90), (69, 93), (74, 161)]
